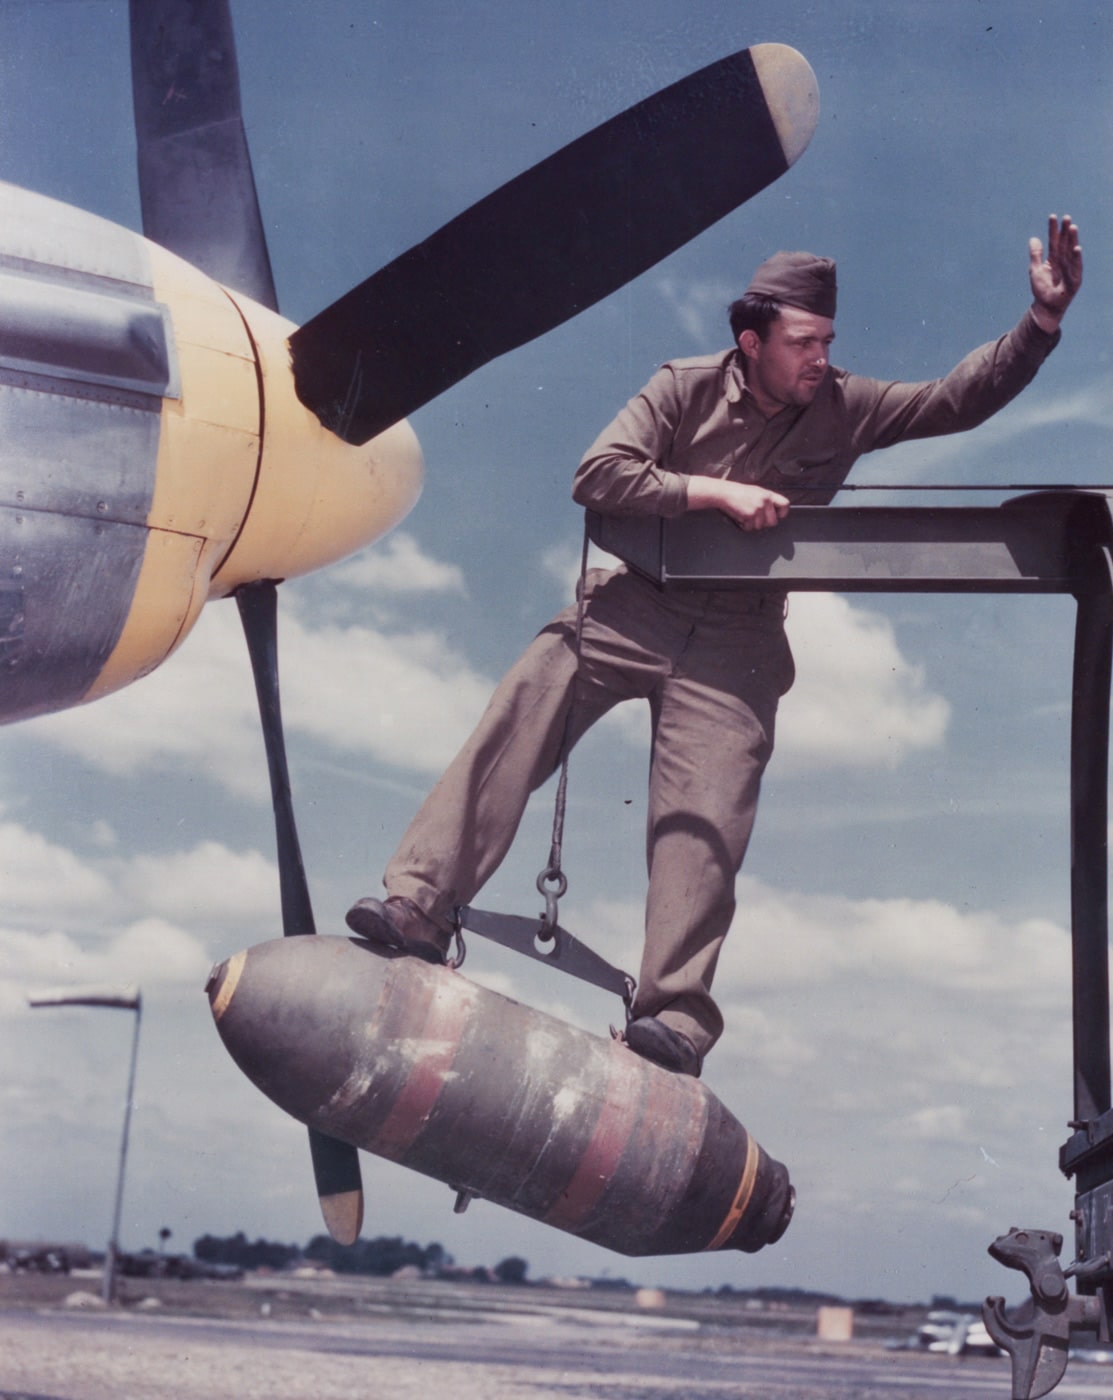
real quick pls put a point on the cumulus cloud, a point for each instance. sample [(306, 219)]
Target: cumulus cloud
[(562, 564), (197, 713), (936, 1122), (408, 699), (700, 309), (148, 952), (39, 873), (398, 564), (914, 1006), (405, 697), (208, 884), (930, 942), (783, 941), (72, 920), (857, 702)]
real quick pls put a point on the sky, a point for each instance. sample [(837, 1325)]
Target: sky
[(896, 984)]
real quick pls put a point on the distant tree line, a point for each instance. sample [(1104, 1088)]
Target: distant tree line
[(248, 1254), (382, 1256)]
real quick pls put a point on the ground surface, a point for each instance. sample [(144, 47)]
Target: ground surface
[(338, 1339)]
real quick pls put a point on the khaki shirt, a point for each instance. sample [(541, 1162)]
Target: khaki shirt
[(695, 417)]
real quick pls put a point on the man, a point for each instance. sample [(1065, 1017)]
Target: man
[(745, 432)]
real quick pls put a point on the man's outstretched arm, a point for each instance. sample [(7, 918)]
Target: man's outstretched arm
[(991, 376)]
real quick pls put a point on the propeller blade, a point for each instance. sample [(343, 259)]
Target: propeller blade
[(335, 1163), (566, 233), (196, 188), (258, 605)]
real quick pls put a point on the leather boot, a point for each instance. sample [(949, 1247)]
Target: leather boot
[(398, 923), (672, 1050)]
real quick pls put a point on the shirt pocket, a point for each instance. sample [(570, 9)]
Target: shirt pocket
[(817, 465)]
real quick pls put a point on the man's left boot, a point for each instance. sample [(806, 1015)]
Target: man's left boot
[(672, 1050)]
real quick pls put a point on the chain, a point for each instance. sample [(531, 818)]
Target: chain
[(552, 882)]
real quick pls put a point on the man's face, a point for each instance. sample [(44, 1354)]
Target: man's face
[(788, 367)]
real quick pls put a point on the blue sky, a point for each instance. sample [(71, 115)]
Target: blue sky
[(897, 986)]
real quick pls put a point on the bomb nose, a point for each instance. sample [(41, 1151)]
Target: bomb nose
[(221, 984)]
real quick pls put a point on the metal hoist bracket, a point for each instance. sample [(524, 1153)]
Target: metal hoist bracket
[(1049, 541)]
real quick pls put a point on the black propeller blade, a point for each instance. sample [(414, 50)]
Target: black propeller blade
[(566, 233), (196, 187), (335, 1164)]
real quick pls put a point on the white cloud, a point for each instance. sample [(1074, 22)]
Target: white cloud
[(700, 309), (934, 1123), (406, 698), (784, 942), (196, 713), (66, 920), (860, 1004), (38, 873), (148, 951), (399, 565), (562, 564), (155, 950), (819, 938), (857, 701), (207, 884)]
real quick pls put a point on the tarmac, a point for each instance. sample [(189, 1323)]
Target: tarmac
[(336, 1339)]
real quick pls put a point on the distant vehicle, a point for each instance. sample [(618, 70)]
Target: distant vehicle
[(1094, 1355), (42, 1256), (39, 1261), (1086, 1346), (952, 1333)]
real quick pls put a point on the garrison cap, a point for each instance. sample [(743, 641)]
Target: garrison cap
[(798, 279)]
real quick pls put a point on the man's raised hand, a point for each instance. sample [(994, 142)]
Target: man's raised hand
[(1057, 277)]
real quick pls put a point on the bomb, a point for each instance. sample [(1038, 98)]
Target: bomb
[(422, 1066)]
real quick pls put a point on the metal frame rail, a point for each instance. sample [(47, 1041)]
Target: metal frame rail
[(1042, 542)]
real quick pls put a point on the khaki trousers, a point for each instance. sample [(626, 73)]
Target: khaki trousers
[(713, 666)]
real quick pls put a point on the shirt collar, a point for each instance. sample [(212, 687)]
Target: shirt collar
[(734, 377)]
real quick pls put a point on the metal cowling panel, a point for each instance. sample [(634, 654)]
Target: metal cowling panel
[(68, 585), (79, 401), (74, 456), (35, 229), (84, 334)]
